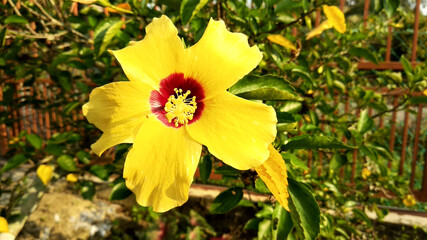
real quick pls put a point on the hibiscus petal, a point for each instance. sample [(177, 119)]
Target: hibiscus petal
[(160, 166), (220, 58), (235, 130), (118, 110), (158, 55)]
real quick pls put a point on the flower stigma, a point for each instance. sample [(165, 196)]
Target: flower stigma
[(180, 109)]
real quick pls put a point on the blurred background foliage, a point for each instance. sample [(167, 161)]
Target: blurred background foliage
[(326, 106)]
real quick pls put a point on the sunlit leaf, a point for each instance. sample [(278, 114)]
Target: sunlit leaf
[(318, 30), (282, 41), (314, 142), (267, 87), (34, 140), (104, 33), (67, 163), (335, 17), (120, 8), (365, 122), (273, 174), (15, 19)]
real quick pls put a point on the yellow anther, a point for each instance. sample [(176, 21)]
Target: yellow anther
[(180, 109)]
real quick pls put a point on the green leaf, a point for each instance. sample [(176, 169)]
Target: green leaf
[(87, 190), (418, 100), (3, 33), (70, 107), (390, 7), (295, 161), (189, 8), (282, 223), (337, 161), (227, 171), (205, 168), (104, 33), (119, 192), (34, 140), (102, 172), (15, 19), (226, 200), (361, 215), (287, 6), (264, 228), (64, 80), (252, 224), (67, 163), (314, 142), (55, 149), (305, 212), (260, 186), (285, 117), (406, 64), (363, 53), (83, 156), (14, 162), (365, 122), (267, 87)]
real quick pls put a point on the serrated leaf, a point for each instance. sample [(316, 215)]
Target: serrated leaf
[(119, 192), (104, 33), (67, 163), (365, 122), (282, 41), (363, 53), (189, 8), (34, 140), (314, 142), (335, 17), (226, 200), (15, 19), (282, 223), (273, 174), (205, 168), (267, 87), (14, 162), (305, 212)]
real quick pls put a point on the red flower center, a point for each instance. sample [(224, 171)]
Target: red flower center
[(179, 100)]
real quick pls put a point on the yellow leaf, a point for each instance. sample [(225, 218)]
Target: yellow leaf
[(409, 200), (4, 227), (71, 177), (335, 17), (85, 1), (365, 173), (44, 172), (119, 8), (282, 41), (273, 173), (318, 30)]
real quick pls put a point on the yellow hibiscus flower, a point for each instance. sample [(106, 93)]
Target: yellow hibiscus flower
[(175, 102)]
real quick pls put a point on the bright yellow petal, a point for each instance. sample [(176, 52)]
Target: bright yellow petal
[(273, 173), (235, 130), (44, 172), (335, 17), (158, 55), (118, 110), (282, 41), (4, 227), (220, 58), (160, 166), (318, 30)]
